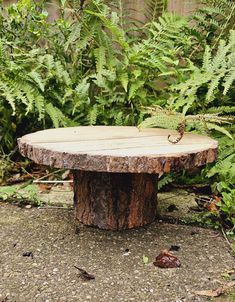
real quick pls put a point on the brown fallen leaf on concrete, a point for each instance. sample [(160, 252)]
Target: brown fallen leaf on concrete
[(166, 260), (84, 274), (44, 188), (216, 292)]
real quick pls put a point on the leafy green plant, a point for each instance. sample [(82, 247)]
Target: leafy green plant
[(93, 66), (223, 176), (213, 21), (21, 195), (33, 82)]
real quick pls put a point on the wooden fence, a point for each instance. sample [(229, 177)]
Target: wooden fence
[(136, 7)]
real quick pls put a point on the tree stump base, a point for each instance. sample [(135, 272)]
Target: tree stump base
[(115, 201)]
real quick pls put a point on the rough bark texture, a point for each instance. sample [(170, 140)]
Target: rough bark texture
[(115, 201), (117, 149)]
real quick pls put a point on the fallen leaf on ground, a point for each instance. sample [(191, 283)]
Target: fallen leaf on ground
[(28, 254), (43, 187), (166, 260), (216, 292), (174, 248), (84, 274), (65, 175), (208, 203)]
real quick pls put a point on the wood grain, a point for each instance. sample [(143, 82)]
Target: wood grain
[(117, 149)]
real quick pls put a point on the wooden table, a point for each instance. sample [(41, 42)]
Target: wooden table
[(116, 168)]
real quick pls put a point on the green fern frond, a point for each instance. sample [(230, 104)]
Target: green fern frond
[(56, 115), (165, 118), (39, 103), (36, 77), (229, 79), (165, 180), (207, 58), (154, 9), (7, 93), (222, 110), (210, 96), (119, 119), (124, 79), (100, 58), (73, 36), (134, 88), (212, 126), (162, 118), (116, 31), (62, 74), (48, 60), (92, 115), (82, 88)]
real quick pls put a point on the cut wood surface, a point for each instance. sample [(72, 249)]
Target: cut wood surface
[(117, 149)]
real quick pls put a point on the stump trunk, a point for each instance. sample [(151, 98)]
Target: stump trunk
[(115, 201)]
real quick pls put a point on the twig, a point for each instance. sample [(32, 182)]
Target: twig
[(54, 207), (51, 181), (49, 174), (226, 238)]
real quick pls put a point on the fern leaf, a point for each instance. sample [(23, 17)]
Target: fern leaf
[(8, 94), (212, 86), (62, 74), (123, 77), (49, 61), (228, 80), (100, 59), (92, 115), (220, 55), (56, 115), (118, 33), (207, 58), (134, 87), (36, 77), (40, 105), (163, 120), (119, 119), (83, 88), (74, 35), (212, 126)]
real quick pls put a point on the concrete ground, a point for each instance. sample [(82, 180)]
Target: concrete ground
[(58, 243)]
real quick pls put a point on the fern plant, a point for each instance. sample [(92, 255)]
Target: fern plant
[(33, 83), (213, 20), (210, 83)]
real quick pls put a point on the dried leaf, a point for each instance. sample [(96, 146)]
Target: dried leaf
[(167, 260), (208, 203), (216, 292), (65, 175), (174, 248), (84, 274), (28, 254), (43, 187)]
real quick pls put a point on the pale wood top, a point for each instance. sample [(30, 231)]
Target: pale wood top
[(117, 149)]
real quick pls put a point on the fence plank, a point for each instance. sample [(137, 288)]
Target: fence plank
[(183, 7), (135, 8)]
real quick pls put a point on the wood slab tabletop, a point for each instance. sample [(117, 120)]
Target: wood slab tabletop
[(117, 149)]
